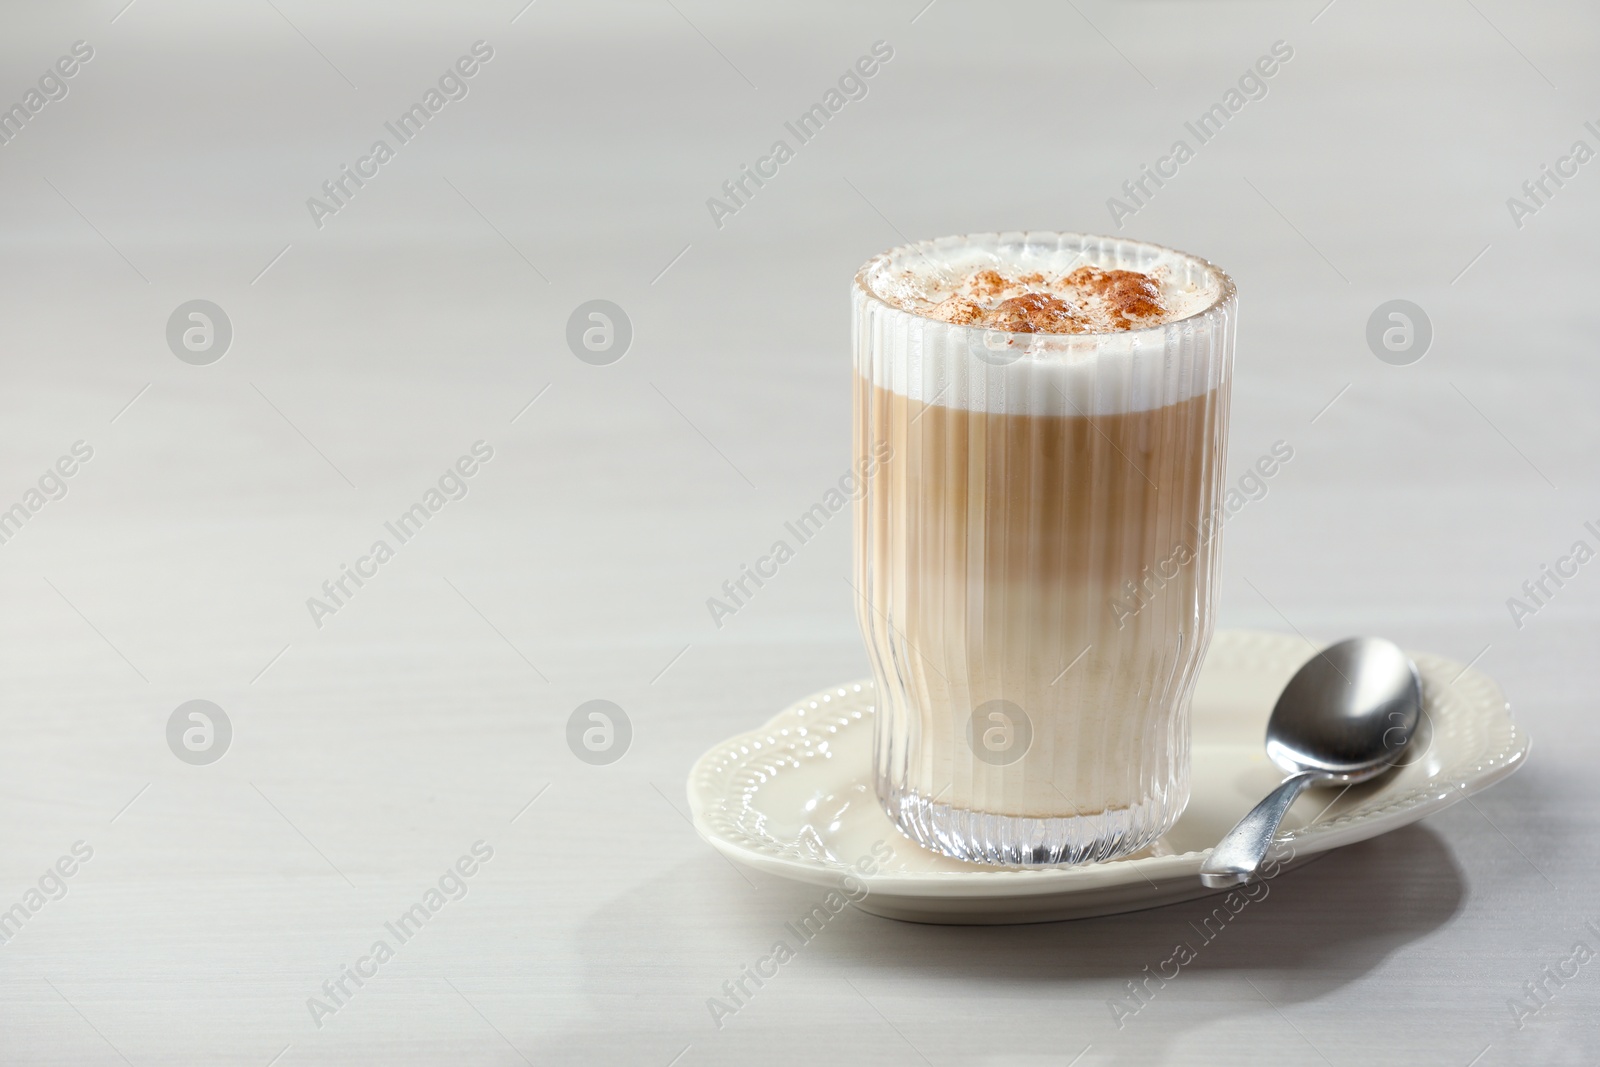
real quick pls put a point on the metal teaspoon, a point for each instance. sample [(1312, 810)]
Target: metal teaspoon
[(1344, 717)]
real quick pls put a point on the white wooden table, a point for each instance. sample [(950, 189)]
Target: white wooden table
[(429, 711)]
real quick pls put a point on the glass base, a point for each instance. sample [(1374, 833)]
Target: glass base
[(1023, 841)]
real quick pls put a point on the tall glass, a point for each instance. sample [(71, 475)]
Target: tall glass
[(1035, 554)]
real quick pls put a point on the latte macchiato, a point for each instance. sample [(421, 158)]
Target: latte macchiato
[(1053, 412)]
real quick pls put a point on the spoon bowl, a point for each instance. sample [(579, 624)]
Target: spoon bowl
[(1348, 712)]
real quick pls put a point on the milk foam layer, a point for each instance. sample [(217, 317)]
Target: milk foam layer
[(1160, 357)]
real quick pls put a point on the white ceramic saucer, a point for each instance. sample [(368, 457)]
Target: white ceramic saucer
[(795, 797)]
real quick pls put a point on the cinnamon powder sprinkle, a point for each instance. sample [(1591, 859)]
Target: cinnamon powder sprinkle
[(1087, 300)]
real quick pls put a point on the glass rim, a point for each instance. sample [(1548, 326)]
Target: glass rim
[(1226, 291)]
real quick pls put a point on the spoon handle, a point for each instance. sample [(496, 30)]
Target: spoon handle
[(1240, 852)]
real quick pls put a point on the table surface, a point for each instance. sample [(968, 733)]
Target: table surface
[(376, 741)]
